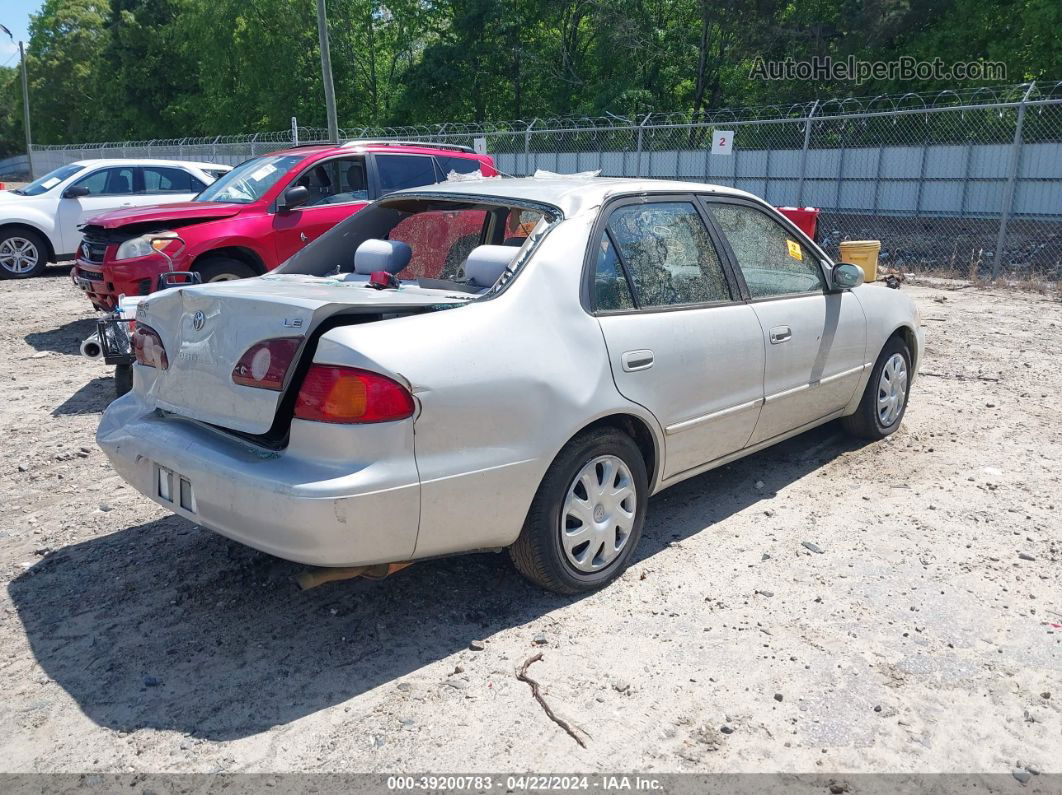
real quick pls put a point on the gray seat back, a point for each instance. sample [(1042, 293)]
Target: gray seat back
[(382, 255), (486, 263)]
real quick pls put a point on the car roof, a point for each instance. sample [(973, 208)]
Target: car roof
[(145, 161), (389, 147), (570, 194)]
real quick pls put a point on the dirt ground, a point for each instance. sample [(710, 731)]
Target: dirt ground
[(925, 634)]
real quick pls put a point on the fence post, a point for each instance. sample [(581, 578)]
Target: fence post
[(804, 155), (252, 144), (214, 149), (638, 162), (527, 147), (1012, 175)]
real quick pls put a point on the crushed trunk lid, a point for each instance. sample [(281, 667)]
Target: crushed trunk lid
[(206, 329)]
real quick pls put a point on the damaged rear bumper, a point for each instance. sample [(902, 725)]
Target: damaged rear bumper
[(336, 509)]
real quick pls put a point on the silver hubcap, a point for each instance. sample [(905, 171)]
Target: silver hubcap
[(225, 277), (598, 514), (892, 389), (18, 255)]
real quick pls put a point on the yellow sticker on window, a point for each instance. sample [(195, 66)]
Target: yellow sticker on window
[(794, 250)]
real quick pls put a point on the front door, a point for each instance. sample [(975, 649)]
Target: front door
[(815, 340), (108, 189), (680, 340), (338, 189)]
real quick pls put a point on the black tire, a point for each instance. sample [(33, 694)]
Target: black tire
[(538, 553), (123, 379), (23, 242), (866, 422), (223, 269)]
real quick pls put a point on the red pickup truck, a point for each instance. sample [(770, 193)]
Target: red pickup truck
[(256, 216)]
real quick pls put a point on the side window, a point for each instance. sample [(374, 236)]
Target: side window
[(158, 179), (462, 165), (772, 260), (337, 181), (108, 181), (668, 254), (404, 171), (611, 291)]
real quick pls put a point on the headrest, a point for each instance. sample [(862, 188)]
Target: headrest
[(382, 255), (486, 263)]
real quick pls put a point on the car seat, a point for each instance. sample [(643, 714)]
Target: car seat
[(382, 255), (485, 264)]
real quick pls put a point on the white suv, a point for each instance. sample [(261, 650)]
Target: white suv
[(39, 223)]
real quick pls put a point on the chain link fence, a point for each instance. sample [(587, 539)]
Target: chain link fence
[(961, 184)]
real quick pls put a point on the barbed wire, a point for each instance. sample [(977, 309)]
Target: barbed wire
[(999, 98)]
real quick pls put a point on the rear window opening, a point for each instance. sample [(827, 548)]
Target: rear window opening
[(441, 235)]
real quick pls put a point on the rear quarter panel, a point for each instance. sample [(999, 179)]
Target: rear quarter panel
[(502, 384)]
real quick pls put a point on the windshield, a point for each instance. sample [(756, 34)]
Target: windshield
[(249, 181), (48, 181)]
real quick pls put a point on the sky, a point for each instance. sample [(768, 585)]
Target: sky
[(14, 15)]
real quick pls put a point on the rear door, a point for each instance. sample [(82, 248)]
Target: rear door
[(338, 188), (815, 340), (108, 188), (680, 340), (398, 171)]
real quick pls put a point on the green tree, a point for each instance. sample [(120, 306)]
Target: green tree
[(67, 41), (12, 138)]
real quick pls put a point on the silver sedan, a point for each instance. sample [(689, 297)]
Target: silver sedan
[(502, 363)]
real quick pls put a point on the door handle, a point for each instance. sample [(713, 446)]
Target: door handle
[(637, 360), (781, 334)]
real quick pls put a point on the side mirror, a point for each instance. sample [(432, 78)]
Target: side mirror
[(845, 276), (293, 197), (75, 192)]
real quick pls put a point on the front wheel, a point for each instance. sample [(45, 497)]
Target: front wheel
[(223, 269), (586, 518), (22, 254), (884, 401)]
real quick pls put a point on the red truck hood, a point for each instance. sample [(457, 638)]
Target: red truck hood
[(181, 211)]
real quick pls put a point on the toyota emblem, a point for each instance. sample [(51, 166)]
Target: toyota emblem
[(198, 321)]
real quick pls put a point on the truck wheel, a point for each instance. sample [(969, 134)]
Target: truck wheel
[(586, 518), (22, 254), (123, 379), (223, 269)]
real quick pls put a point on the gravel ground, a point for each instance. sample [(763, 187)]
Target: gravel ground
[(921, 630)]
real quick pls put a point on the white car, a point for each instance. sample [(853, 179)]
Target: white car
[(599, 340), (39, 223)]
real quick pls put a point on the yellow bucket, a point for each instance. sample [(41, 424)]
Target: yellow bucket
[(863, 253)]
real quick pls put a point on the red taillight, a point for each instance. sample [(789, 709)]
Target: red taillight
[(266, 363), (345, 394), (148, 348)]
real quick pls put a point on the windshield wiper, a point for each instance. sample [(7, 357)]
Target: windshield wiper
[(19, 191)]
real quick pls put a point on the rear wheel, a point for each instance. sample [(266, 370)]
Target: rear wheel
[(22, 254), (223, 269), (586, 518), (885, 399)]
